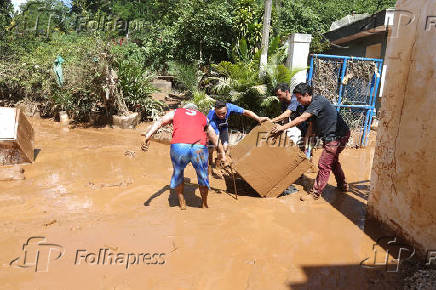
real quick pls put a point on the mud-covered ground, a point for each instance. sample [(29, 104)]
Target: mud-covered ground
[(106, 219)]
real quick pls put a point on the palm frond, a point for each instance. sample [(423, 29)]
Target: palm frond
[(268, 101), (223, 86)]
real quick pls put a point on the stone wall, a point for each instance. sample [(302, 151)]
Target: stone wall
[(403, 180)]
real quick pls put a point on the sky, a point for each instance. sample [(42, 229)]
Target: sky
[(18, 2)]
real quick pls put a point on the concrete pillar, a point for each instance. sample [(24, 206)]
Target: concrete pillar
[(403, 183), (298, 53)]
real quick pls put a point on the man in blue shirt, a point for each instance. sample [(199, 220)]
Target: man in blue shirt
[(218, 119), (291, 109), (289, 102)]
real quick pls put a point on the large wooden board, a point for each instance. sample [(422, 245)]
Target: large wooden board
[(269, 165)]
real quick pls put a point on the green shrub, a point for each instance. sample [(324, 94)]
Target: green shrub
[(87, 59), (83, 72), (135, 79), (240, 82), (203, 101), (187, 75)]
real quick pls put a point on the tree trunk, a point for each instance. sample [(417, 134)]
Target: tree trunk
[(265, 37)]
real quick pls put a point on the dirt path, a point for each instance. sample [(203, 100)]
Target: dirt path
[(93, 189)]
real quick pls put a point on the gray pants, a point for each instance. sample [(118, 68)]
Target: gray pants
[(223, 137)]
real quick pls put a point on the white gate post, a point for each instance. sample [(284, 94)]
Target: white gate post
[(298, 52)]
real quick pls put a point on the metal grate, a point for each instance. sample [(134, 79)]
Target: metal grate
[(326, 79), (351, 84)]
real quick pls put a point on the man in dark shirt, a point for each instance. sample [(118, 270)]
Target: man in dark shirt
[(332, 130)]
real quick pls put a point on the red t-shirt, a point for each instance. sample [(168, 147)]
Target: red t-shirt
[(189, 127)]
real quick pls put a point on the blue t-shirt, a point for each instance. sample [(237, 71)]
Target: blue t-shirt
[(296, 110), (214, 121), (292, 106)]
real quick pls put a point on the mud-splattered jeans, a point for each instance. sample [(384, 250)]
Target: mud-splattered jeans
[(329, 161), (183, 154)]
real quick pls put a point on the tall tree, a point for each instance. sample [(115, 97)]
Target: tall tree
[(6, 9), (265, 36)]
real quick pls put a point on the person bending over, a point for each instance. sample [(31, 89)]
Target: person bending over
[(188, 145), (218, 119)]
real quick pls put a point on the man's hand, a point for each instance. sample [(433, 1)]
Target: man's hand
[(255, 117), (223, 162), (166, 119), (145, 145), (222, 157), (263, 119), (277, 129)]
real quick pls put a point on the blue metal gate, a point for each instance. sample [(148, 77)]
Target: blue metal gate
[(351, 84)]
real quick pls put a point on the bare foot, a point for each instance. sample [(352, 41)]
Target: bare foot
[(204, 200), (182, 202)]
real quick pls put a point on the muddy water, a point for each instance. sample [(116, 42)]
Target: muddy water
[(93, 189)]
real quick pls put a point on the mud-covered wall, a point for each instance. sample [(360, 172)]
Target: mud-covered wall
[(403, 180)]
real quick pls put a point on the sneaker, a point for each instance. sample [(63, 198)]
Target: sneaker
[(290, 190), (312, 195)]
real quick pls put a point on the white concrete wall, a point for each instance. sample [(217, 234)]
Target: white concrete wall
[(403, 180)]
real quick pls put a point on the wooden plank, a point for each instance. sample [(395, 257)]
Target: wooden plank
[(25, 136)]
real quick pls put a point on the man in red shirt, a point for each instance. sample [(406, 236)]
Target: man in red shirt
[(188, 145)]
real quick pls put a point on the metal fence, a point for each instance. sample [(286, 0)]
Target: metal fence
[(351, 84)]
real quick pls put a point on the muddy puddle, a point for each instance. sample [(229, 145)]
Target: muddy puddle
[(98, 214)]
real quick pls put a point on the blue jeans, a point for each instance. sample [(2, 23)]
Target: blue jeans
[(181, 154)]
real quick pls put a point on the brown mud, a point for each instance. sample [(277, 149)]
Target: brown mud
[(84, 192)]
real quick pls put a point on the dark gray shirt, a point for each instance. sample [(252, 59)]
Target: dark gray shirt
[(328, 121)]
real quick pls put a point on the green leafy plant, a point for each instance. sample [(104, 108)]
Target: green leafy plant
[(87, 59), (203, 101), (135, 79), (188, 75), (240, 83)]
